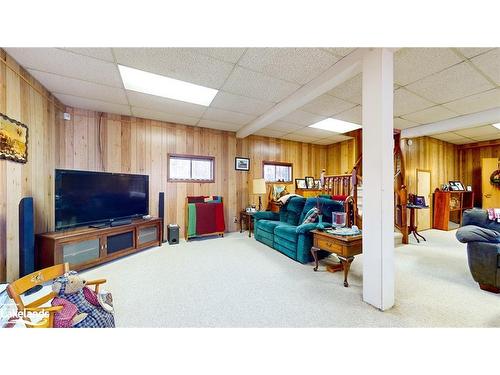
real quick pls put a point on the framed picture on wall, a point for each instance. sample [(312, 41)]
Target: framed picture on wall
[(309, 182), (241, 164), (300, 183), (13, 140)]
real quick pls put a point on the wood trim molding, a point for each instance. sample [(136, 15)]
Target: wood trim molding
[(495, 142)]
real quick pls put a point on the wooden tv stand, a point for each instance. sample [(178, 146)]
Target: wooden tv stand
[(87, 247)]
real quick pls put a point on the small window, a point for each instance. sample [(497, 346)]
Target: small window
[(189, 168), (277, 172)]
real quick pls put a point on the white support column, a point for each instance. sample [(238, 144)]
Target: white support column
[(378, 176)]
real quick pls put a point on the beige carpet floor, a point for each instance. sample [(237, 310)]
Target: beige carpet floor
[(238, 282)]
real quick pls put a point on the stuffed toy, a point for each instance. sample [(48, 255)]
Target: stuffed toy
[(82, 307)]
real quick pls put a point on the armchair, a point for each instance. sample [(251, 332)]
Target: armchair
[(483, 248), (18, 287)]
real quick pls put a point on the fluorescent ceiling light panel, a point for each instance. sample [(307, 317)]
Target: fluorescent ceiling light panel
[(154, 84), (497, 125), (336, 126)]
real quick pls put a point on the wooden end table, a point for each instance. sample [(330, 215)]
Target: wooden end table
[(247, 218), (345, 247), (412, 228)]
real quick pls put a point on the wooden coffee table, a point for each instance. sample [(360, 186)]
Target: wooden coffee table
[(345, 247)]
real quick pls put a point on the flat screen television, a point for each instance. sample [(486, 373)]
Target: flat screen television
[(86, 198)]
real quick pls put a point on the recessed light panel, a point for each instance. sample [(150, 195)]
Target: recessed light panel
[(497, 125), (154, 84), (335, 126)]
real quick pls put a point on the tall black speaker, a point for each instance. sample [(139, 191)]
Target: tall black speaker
[(161, 212), (27, 262)]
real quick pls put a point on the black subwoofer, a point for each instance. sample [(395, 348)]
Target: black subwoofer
[(173, 234)]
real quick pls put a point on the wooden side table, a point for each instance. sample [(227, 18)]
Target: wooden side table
[(247, 217), (345, 247), (412, 228)]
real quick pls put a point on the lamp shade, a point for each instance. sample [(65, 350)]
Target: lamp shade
[(259, 186)]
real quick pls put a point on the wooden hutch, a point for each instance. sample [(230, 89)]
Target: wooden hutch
[(448, 208)]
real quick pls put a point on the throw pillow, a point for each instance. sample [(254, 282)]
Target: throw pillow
[(311, 216)]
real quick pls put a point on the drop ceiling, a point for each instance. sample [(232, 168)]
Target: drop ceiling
[(431, 84)]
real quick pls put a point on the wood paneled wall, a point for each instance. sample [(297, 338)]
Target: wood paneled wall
[(470, 165), (134, 145), (341, 157), (431, 154), (31, 104)]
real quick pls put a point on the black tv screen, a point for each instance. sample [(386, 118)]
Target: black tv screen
[(85, 198)]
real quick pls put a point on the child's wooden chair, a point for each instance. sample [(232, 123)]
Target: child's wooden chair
[(18, 287)]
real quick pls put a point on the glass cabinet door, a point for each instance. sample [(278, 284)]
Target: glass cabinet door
[(147, 234), (81, 252)]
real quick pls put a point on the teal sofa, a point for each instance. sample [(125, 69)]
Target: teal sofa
[(284, 232)]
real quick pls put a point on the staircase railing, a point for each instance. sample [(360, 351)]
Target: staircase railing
[(400, 191), (346, 185)]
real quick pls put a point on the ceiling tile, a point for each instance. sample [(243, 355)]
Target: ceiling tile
[(99, 53), (340, 51), (489, 137), (302, 118), (479, 131), (227, 116), (177, 63), (407, 102), (313, 132), (323, 142), (299, 138), (339, 138), (230, 55), (489, 63), (287, 127), (412, 64), (471, 52), (353, 115), (163, 116), (270, 133), (299, 65), (165, 105), (432, 114), (476, 103), (450, 137), (220, 125), (463, 141), (71, 86), (350, 90), (327, 105), (242, 104), (401, 123), (453, 83), (68, 64), (93, 105), (257, 85)]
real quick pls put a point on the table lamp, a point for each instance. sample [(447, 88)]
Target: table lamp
[(259, 188)]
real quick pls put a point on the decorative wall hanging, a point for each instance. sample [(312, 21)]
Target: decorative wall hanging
[(241, 164), (13, 140), (495, 178)]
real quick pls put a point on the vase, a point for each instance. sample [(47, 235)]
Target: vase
[(320, 225)]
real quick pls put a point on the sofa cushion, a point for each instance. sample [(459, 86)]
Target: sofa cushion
[(327, 207), (267, 225), (291, 212), (288, 232)]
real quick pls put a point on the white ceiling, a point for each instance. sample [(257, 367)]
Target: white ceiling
[(431, 84)]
